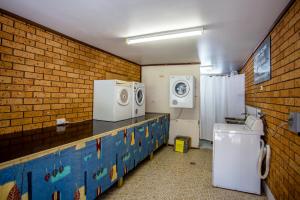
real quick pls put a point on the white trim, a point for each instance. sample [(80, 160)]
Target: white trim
[(268, 192)]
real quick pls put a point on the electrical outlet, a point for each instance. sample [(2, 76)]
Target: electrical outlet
[(294, 122), (60, 121)]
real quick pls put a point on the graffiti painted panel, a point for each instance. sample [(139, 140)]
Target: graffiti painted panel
[(86, 170)]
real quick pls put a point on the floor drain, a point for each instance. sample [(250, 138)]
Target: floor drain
[(192, 163)]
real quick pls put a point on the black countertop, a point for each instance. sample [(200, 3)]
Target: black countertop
[(24, 143)]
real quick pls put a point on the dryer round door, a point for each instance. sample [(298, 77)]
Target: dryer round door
[(123, 97), (181, 88), (139, 96)]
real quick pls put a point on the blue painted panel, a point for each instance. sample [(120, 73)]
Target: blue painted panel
[(58, 172), (132, 147), (165, 123), (94, 167), (120, 149), (156, 132), (110, 161), (13, 176), (160, 132), (139, 148), (147, 142), (163, 129), (125, 156), (41, 170), (153, 135), (69, 177), (98, 158), (91, 162), (142, 142)]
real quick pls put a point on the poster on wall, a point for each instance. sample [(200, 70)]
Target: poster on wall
[(262, 62)]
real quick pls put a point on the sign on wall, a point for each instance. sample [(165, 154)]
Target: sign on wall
[(262, 62)]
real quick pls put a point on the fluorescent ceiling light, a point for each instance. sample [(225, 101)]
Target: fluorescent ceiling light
[(165, 35)]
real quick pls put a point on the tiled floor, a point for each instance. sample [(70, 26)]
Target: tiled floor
[(171, 175)]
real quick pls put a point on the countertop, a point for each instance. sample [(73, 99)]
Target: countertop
[(20, 144)]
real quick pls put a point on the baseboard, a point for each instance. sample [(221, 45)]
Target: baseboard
[(268, 192)]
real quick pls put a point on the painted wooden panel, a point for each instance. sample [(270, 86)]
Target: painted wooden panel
[(141, 146), (11, 182), (125, 151), (86, 170)]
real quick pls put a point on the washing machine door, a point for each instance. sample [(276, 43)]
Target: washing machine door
[(139, 96), (123, 96), (181, 88)]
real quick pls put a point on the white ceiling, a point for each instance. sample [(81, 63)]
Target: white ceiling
[(233, 28)]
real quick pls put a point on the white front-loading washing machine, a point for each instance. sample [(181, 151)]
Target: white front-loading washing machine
[(182, 89), (112, 100), (138, 99)]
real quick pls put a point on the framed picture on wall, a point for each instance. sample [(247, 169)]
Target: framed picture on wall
[(262, 62)]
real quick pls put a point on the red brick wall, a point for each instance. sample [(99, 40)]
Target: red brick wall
[(45, 76), (279, 96)]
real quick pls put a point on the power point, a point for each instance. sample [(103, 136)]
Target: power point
[(294, 122), (60, 121)]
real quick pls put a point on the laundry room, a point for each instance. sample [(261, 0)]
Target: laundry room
[(150, 100)]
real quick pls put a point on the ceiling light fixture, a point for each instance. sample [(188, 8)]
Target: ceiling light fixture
[(180, 33)]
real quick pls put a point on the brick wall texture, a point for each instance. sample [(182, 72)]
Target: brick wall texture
[(278, 97), (44, 76)]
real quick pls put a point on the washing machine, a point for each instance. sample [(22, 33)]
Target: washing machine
[(236, 150), (182, 89), (138, 99), (112, 100)]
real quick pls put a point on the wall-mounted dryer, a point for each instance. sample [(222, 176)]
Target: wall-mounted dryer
[(138, 99), (182, 89), (112, 100)]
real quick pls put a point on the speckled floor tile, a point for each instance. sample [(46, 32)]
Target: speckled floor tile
[(171, 176)]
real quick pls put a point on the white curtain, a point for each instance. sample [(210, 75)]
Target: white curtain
[(213, 101), (221, 96), (236, 96)]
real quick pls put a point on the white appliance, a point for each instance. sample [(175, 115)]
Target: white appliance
[(138, 99), (112, 100), (236, 151), (182, 89)]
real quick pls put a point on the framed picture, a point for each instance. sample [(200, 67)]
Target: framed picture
[(262, 62)]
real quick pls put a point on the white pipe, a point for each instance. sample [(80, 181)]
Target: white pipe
[(265, 151)]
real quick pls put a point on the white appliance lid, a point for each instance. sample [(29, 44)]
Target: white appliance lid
[(235, 128)]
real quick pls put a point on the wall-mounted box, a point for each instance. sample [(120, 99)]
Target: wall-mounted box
[(294, 122)]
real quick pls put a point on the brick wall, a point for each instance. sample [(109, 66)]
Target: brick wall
[(45, 76), (278, 97)]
